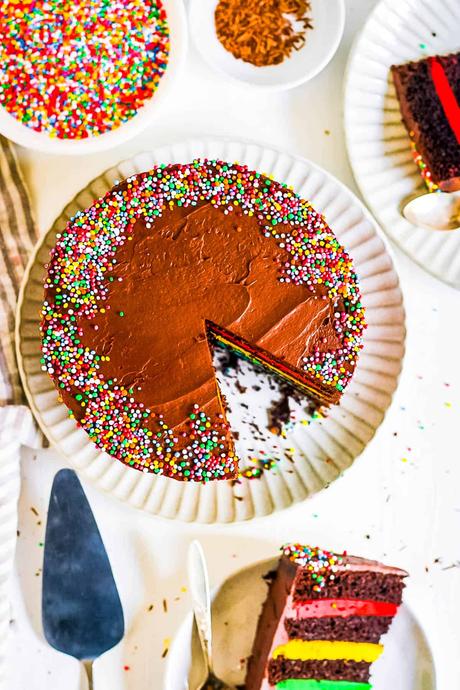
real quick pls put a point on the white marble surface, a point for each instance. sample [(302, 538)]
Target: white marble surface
[(400, 500)]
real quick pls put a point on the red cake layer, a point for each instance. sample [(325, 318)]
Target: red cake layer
[(316, 608)]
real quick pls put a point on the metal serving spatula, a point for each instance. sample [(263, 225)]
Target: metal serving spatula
[(81, 610)]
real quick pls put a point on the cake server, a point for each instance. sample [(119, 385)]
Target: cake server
[(433, 210), (81, 610), (201, 601)]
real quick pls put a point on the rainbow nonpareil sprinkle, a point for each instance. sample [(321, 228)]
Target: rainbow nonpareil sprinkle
[(423, 168), (320, 564), (82, 68), (78, 288)]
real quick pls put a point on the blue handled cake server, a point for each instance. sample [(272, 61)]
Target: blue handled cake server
[(81, 610)]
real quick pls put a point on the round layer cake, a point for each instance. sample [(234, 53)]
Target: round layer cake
[(140, 284)]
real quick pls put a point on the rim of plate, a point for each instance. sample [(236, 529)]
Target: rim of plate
[(41, 141), (184, 631), (377, 142), (334, 444), (281, 85)]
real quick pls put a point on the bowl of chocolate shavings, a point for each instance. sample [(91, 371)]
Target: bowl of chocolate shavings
[(272, 44)]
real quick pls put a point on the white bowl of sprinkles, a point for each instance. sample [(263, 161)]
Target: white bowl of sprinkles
[(312, 54), (82, 77)]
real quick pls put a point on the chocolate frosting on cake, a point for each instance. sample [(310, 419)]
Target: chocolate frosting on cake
[(140, 282), (200, 267)]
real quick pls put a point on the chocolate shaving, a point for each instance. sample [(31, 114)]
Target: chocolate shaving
[(262, 33)]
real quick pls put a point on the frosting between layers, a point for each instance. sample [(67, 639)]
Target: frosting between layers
[(313, 684), (320, 608), (329, 650)]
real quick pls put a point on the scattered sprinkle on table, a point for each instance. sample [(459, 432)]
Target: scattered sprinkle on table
[(166, 644), (262, 33), (75, 69)]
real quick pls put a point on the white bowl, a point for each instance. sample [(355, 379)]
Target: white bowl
[(320, 46), (42, 141)]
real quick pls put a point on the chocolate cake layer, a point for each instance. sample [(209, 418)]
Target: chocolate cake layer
[(425, 117), (351, 628), (352, 584), (282, 668)]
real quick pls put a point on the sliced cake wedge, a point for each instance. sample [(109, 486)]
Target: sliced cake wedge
[(322, 622)]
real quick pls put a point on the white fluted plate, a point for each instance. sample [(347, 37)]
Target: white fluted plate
[(406, 662), (377, 141), (310, 456)]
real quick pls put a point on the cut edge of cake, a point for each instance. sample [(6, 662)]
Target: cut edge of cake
[(449, 109), (323, 396)]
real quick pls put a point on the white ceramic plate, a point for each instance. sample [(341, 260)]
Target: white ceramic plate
[(406, 663), (41, 141), (320, 46), (310, 456), (378, 143)]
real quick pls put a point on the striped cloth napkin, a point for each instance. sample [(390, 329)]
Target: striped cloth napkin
[(18, 234)]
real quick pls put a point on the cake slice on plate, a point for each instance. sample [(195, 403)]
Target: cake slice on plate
[(429, 95), (322, 621)]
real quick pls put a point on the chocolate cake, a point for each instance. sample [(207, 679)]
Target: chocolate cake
[(429, 96), (140, 284), (322, 621)]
